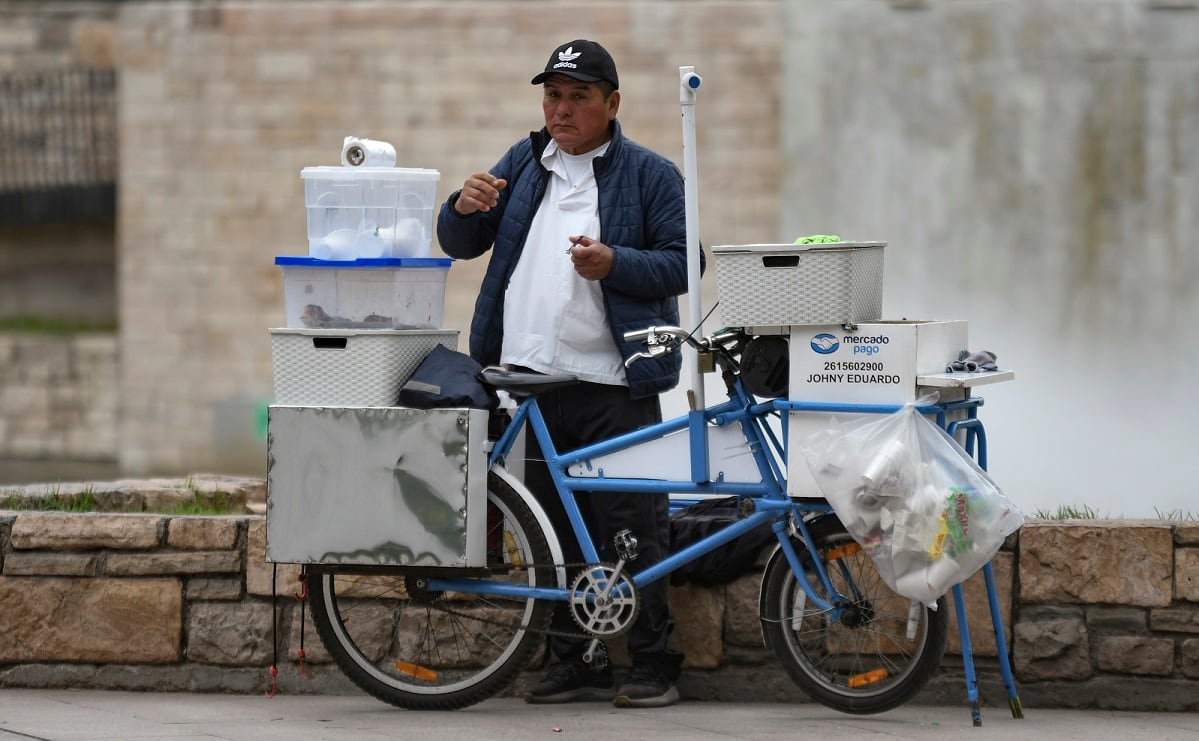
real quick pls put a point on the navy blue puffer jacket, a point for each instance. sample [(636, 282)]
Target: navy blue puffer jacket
[(642, 218)]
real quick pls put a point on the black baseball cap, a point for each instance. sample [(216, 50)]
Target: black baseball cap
[(583, 60)]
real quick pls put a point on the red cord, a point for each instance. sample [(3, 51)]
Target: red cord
[(300, 656), (274, 681), (303, 598), (303, 593)]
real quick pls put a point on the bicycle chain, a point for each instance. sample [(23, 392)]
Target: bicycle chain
[(536, 631)]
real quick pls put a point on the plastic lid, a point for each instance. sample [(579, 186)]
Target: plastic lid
[(796, 247), (370, 173), (365, 262)]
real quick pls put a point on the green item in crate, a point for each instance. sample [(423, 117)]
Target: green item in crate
[(818, 239)]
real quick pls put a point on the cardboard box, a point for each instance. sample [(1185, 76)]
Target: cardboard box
[(877, 364)]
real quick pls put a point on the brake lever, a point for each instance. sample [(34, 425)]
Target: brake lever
[(654, 352), (660, 341)]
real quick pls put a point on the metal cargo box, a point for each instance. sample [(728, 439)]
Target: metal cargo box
[(376, 486)]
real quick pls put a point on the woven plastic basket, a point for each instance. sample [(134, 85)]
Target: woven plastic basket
[(329, 367), (787, 285)]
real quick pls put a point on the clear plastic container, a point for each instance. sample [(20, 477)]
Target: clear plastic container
[(369, 212), (380, 293)]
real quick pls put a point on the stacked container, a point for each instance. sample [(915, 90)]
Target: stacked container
[(365, 305), (353, 478), (369, 212)]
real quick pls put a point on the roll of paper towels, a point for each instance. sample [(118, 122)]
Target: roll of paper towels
[(356, 152)]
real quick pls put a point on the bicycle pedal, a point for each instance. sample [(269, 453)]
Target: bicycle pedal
[(626, 545), (596, 656)]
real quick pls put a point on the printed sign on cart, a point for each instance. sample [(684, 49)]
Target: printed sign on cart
[(876, 364)]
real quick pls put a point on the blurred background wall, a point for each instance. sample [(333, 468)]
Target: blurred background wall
[(1034, 167)]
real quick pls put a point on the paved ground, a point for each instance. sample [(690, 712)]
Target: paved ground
[(70, 715)]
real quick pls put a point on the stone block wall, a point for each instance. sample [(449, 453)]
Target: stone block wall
[(58, 396), (1110, 608), (1010, 152), (222, 104), (1100, 614)]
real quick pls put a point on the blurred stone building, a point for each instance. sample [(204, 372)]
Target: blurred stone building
[(1033, 165)]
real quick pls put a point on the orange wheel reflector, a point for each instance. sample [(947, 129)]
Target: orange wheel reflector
[(418, 672), (513, 551), (861, 680), (844, 550)]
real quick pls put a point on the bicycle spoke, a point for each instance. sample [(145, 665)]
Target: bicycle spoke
[(862, 661), (424, 649)]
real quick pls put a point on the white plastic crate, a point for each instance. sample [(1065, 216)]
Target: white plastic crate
[(369, 211), (328, 367), (385, 293), (787, 285)]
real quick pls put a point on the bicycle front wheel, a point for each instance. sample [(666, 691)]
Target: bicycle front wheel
[(421, 649), (881, 650)]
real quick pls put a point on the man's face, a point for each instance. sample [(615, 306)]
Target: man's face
[(576, 113)]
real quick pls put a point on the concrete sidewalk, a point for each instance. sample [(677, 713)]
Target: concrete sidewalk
[(94, 715)]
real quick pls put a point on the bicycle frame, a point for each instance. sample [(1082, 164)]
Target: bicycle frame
[(772, 504)]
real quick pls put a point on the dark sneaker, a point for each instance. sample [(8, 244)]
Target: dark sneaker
[(572, 681), (646, 687)]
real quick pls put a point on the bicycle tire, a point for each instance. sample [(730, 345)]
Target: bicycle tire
[(863, 663), (423, 650)]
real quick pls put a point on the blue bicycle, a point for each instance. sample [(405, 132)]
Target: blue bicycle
[(445, 638)]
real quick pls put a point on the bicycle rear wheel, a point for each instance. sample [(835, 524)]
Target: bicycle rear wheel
[(426, 650), (880, 652)]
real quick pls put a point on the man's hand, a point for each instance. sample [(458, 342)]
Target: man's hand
[(480, 192), (592, 259)]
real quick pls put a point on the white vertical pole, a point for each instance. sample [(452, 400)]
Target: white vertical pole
[(689, 82)]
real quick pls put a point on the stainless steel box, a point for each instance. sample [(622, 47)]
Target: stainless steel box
[(376, 486)]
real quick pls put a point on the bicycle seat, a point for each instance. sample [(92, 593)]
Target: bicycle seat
[(524, 383)]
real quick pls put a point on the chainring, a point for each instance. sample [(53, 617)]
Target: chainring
[(600, 611)]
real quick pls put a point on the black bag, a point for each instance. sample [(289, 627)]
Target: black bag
[(765, 365), (447, 378), (729, 561)]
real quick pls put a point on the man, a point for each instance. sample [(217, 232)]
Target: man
[(587, 234)]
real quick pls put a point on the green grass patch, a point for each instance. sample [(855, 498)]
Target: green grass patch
[(1175, 515), (200, 504), (216, 503), (1069, 512), (53, 325), (1085, 512), (54, 502)]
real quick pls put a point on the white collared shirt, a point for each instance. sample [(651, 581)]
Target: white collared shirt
[(554, 320)]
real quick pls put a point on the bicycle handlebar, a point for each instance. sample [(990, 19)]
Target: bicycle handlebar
[(651, 334), (665, 339)]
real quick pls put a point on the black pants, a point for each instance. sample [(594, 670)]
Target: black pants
[(580, 415)]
